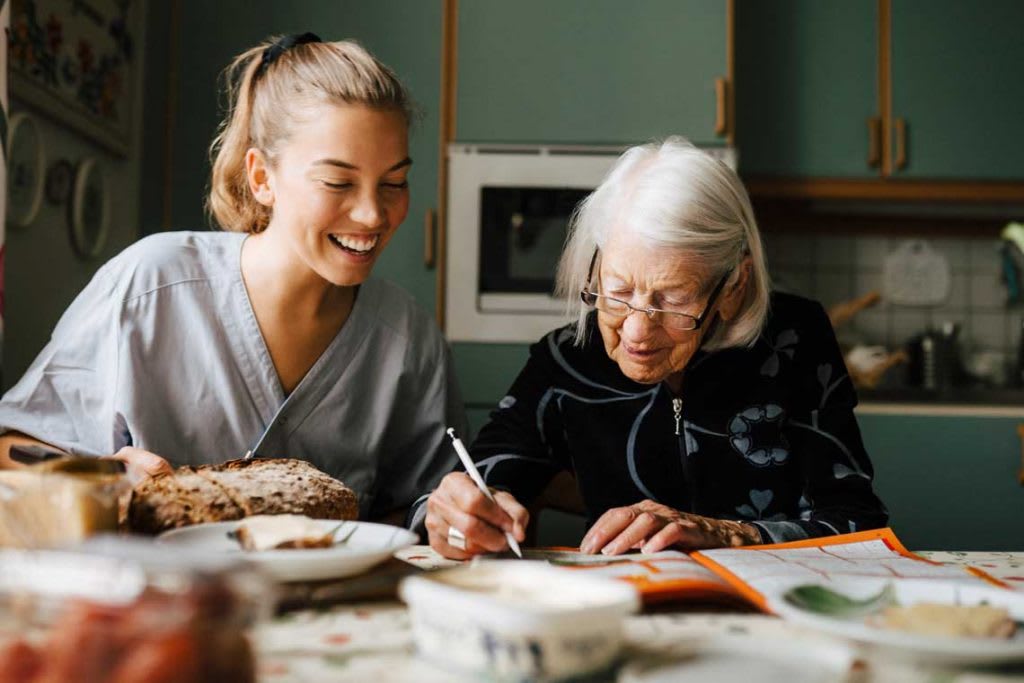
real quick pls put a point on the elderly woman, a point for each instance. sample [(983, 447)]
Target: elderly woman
[(694, 408)]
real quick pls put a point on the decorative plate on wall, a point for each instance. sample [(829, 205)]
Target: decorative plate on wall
[(89, 210), (26, 170)]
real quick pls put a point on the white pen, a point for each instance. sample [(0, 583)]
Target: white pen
[(474, 474)]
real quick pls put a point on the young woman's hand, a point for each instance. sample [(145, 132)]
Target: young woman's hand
[(462, 522), (141, 464), (652, 526)]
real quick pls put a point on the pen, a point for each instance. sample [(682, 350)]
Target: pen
[(474, 474)]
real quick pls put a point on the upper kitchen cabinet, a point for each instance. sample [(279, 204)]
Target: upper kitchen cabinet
[(806, 94), (958, 89), (592, 71), (881, 99)]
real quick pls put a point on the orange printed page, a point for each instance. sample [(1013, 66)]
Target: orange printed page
[(659, 577), (761, 574)]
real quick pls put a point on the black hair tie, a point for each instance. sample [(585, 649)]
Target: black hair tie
[(283, 44)]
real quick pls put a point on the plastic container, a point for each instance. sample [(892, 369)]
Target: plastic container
[(517, 620), (127, 611)]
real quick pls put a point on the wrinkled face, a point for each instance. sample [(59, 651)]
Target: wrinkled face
[(339, 188), (644, 276)]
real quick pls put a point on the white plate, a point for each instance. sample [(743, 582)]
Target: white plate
[(939, 650), (369, 544), (731, 658)]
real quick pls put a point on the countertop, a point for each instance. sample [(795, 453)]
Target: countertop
[(967, 401)]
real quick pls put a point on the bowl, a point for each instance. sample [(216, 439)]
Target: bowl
[(514, 620)]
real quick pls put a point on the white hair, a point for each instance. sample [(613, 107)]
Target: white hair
[(671, 194)]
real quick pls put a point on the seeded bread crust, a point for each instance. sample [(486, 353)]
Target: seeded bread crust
[(237, 489)]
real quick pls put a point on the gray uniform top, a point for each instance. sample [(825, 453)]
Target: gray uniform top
[(162, 351)]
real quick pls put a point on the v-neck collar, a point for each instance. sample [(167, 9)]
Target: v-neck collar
[(262, 378)]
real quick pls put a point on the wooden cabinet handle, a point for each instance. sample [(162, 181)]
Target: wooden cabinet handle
[(901, 143), (721, 118), (1020, 473), (874, 141), (429, 239)]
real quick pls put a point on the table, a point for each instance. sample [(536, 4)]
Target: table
[(373, 642)]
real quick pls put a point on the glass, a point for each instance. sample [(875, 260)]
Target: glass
[(668, 318)]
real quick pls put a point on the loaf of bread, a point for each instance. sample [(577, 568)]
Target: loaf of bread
[(237, 489)]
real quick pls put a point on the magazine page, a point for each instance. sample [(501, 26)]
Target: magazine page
[(763, 574), (659, 577)]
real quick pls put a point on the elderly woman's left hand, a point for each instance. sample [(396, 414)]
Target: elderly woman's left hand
[(652, 527)]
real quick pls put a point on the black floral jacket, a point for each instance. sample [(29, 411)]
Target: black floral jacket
[(764, 434)]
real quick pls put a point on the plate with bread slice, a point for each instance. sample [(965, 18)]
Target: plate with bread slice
[(296, 547)]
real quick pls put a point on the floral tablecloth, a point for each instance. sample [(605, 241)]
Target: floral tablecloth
[(373, 642)]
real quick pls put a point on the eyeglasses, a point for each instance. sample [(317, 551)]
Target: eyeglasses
[(666, 317)]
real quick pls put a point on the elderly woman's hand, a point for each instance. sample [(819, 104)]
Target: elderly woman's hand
[(652, 527), (462, 522)]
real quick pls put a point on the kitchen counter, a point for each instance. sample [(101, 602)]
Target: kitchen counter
[(970, 401)]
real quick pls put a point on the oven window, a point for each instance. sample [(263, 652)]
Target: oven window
[(522, 230)]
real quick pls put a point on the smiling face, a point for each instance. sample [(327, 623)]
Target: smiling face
[(338, 188), (644, 276)]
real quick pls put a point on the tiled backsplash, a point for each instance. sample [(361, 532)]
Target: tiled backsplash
[(836, 268)]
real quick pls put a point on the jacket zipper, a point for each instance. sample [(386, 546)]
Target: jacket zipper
[(677, 414)]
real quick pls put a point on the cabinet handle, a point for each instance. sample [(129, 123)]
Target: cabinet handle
[(721, 122), (1020, 473), (901, 143), (429, 239), (874, 141)]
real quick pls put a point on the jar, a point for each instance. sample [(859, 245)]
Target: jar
[(127, 611)]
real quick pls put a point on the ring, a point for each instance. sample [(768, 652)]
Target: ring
[(456, 538)]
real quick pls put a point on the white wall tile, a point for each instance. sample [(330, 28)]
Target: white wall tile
[(870, 252), (987, 331), (834, 251), (984, 255), (832, 287), (906, 322), (957, 252), (987, 292)]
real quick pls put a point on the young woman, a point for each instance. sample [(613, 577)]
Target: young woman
[(270, 337)]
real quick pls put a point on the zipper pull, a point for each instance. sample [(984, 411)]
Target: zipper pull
[(677, 408)]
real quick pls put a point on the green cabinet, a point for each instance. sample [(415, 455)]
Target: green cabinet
[(805, 87), (589, 71), (909, 90), (950, 483), (958, 84)]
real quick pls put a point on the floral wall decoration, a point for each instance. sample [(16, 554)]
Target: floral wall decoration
[(73, 60)]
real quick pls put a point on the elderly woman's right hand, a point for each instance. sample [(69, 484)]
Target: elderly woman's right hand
[(457, 507)]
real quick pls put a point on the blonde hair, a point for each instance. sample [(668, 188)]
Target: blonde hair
[(265, 102), (673, 195)]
